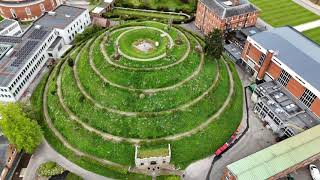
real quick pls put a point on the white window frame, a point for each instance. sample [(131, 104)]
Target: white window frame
[(307, 98), (28, 11), (43, 9), (13, 13), (284, 78)]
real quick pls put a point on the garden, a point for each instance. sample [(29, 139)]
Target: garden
[(140, 83)]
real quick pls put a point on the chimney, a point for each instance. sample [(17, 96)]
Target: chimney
[(265, 65), (235, 2)]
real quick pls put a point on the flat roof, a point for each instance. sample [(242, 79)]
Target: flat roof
[(5, 23), (297, 51), (225, 11), (279, 157), (290, 111), (23, 47), (61, 17)]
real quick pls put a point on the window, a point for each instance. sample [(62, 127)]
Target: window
[(261, 59), (43, 9), (1, 11), (13, 13), (307, 97), (28, 11), (284, 78)]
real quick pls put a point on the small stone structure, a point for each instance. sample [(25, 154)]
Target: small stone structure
[(152, 163)]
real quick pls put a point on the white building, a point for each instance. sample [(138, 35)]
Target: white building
[(22, 58), (9, 27)]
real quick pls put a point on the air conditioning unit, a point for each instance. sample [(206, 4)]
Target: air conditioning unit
[(52, 13), (37, 26)]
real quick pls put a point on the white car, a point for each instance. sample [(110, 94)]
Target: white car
[(314, 171)]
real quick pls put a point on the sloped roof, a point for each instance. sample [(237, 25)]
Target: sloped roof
[(297, 51), (3, 152), (225, 11), (279, 157)]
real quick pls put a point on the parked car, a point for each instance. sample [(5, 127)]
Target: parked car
[(314, 171)]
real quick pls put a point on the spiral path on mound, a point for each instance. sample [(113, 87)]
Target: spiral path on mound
[(61, 108)]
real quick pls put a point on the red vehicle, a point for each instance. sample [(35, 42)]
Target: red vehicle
[(221, 149)]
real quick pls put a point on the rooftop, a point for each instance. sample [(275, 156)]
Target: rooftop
[(294, 49), (21, 48), (279, 157), (60, 18), (223, 10), (293, 113), (5, 23)]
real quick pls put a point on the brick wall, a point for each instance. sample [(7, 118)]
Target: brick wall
[(21, 10), (254, 54), (207, 20), (315, 107), (295, 88), (274, 70)]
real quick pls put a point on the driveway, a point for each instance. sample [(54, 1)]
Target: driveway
[(46, 153)]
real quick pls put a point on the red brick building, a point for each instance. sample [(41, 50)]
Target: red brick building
[(289, 58), (26, 10), (225, 15)]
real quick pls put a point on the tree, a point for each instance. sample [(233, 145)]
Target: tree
[(21, 131), (214, 44)]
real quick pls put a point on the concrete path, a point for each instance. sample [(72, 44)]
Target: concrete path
[(46, 153), (308, 26), (309, 5), (261, 24)]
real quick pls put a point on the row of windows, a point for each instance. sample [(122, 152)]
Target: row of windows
[(31, 62), (3, 90), (3, 95), (307, 98), (28, 76)]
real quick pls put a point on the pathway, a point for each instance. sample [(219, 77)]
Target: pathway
[(46, 153), (309, 5), (308, 25)]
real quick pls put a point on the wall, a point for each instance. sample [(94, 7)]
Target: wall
[(11, 30)]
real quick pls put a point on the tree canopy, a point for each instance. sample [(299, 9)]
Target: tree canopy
[(214, 44), (21, 131)]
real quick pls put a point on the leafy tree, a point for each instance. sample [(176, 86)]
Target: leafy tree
[(214, 44), (21, 131), (88, 33), (72, 176), (49, 169)]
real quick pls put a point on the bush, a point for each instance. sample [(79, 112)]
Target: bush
[(49, 169), (72, 176)]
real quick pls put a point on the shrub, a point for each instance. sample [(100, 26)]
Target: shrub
[(49, 169)]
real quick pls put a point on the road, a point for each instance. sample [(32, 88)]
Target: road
[(45, 153)]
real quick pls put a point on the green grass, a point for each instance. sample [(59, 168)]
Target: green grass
[(143, 14), (313, 34), (146, 153), (130, 39), (184, 151), (166, 5), (284, 12)]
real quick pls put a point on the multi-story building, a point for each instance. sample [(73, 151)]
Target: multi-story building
[(225, 15), (292, 61), (9, 27), (22, 58), (26, 10)]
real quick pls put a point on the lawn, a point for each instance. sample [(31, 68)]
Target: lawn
[(284, 12), (313, 34), (207, 90)]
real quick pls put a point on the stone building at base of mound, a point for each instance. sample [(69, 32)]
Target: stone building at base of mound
[(152, 159)]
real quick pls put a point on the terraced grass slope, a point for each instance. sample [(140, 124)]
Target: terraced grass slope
[(284, 12), (104, 100)]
